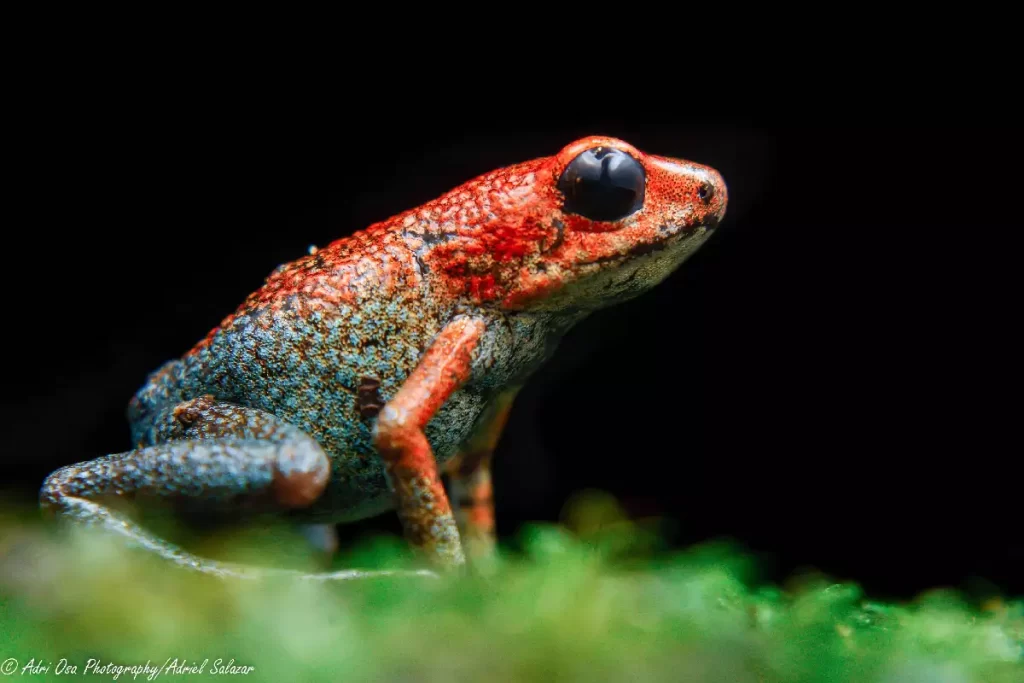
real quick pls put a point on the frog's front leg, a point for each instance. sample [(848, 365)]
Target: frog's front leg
[(420, 498), (217, 455), (469, 475)]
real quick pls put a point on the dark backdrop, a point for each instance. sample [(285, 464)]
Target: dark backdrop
[(828, 381)]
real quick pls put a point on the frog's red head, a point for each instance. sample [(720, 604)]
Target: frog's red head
[(597, 223)]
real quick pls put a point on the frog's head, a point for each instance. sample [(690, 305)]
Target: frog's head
[(595, 224), (624, 220)]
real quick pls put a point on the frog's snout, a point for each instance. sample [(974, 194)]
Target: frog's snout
[(700, 188), (712, 193), (720, 192)]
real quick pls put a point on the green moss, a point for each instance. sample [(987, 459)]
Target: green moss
[(604, 603)]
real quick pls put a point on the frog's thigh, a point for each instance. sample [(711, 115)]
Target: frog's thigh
[(221, 454), (209, 451)]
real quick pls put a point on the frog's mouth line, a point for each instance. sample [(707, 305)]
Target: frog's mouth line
[(676, 237)]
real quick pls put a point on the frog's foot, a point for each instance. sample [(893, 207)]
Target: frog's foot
[(228, 458)]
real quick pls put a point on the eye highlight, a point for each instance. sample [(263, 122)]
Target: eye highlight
[(603, 184)]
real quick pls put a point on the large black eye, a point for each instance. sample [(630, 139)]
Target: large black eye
[(603, 184)]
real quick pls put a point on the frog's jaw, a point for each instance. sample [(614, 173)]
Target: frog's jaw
[(645, 269), (609, 281)]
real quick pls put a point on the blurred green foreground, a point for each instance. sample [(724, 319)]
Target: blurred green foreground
[(585, 606)]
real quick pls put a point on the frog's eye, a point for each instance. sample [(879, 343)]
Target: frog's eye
[(603, 184)]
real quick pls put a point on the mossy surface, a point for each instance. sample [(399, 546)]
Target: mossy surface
[(586, 606)]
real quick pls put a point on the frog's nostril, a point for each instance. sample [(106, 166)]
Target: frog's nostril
[(706, 192)]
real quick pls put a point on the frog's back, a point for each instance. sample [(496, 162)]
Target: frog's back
[(356, 313)]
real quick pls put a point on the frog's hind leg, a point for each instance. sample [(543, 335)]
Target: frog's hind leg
[(203, 452)]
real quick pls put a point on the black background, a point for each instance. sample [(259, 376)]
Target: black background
[(830, 381)]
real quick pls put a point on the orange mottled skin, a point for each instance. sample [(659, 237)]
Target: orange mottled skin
[(359, 375)]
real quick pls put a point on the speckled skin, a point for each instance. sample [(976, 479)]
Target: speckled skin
[(345, 384)]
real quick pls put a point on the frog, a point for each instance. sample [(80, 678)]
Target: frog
[(376, 374)]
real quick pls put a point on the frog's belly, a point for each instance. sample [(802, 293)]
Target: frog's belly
[(308, 370), (358, 487)]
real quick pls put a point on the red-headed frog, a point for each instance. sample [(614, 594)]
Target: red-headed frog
[(358, 376)]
